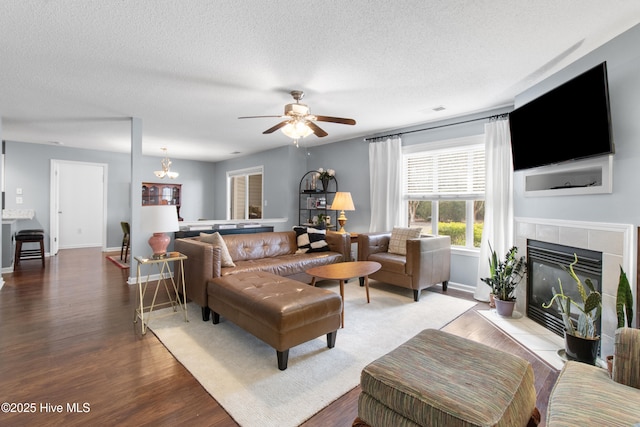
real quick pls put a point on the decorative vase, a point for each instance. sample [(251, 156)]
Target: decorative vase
[(492, 300), (325, 184), (610, 365), (505, 308), (581, 349)]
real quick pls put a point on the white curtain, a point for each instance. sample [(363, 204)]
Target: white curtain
[(385, 172), (498, 208)]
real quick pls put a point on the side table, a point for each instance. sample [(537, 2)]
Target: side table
[(162, 267)]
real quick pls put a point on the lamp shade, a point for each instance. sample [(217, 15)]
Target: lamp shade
[(159, 219), (343, 202)]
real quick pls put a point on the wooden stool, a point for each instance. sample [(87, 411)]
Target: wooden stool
[(29, 236)]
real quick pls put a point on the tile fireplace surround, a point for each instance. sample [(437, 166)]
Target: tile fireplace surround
[(615, 241)]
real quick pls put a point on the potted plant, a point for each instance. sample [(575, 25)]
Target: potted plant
[(624, 301), (581, 336), (504, 278), (624, 309)]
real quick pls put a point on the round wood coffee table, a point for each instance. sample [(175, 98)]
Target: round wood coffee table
[(343, 271)]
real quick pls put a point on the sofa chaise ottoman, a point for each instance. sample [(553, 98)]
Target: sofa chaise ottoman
[(281, 312)]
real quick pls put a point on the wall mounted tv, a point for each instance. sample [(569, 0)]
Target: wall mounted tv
[(569, 122)]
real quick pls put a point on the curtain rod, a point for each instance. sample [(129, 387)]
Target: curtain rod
[(494, 117)]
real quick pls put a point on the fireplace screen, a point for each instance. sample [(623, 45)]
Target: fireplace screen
[(544, 269)]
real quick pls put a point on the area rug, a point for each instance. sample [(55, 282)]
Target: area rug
[(241, 372), (116, 260)]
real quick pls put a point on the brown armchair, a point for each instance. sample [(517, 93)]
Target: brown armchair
[(427, 262)]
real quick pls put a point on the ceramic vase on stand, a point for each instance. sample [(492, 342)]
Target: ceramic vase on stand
[(492, 300), (325, 184)]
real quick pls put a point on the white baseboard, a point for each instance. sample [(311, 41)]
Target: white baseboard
[(461, 287), (152, 278)]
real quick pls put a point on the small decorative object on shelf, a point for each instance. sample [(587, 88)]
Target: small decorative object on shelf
[(325, 176)]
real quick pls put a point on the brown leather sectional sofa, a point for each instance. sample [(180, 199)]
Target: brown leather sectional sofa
[(271, 252)]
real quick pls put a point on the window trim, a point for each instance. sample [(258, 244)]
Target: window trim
[(246, 172)]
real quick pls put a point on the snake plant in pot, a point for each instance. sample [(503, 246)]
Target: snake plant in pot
[(624, 309), (504, 278), (582, 340)]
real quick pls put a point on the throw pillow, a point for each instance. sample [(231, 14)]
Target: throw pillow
[(217, 240), (399, 236), (311, 239)]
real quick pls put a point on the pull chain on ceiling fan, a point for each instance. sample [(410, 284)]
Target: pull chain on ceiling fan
[(299, 122)]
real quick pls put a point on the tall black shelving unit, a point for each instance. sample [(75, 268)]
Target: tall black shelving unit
[(315, 201)]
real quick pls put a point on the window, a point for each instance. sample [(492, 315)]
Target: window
[(244, 188), (443, 186)]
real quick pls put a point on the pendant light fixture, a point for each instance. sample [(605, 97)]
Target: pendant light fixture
[(166, 167)]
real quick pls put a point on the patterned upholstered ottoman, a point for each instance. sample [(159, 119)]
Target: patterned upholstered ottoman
[(440, 379)]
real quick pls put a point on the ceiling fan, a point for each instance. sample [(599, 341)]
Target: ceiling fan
[(299, 122)]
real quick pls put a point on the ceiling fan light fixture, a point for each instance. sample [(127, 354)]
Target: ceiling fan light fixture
[(298, 122), (297, 129)]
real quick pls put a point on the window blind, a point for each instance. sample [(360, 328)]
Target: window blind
[(451, 173)]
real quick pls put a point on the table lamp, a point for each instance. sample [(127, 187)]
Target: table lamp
[(159, 220), (342, 202)]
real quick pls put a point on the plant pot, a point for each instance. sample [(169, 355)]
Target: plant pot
[(505, 308), (581, 349)]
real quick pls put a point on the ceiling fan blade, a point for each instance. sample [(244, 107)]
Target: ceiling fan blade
[(314, 127), (336, 120), (258, 117), (276, 127)]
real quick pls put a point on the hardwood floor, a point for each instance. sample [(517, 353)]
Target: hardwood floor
[(67, 337)]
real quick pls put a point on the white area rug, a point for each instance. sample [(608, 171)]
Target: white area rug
[(241, 372)]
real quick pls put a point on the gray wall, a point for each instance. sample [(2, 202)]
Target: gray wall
[(283, 168), (28, 167), (623, 205)]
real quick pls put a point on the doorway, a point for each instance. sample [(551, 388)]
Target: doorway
[(78, 205)]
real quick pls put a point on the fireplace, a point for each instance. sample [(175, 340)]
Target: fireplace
[(544, 264), (614, 241)]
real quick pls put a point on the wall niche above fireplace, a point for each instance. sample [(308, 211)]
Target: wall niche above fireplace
[(592, 176)]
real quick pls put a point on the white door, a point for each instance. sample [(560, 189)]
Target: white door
[(78, 205)]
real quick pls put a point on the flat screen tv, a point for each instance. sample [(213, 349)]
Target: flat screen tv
[(569, 122)]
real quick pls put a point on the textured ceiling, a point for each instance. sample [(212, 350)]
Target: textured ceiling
[(73, 72)]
